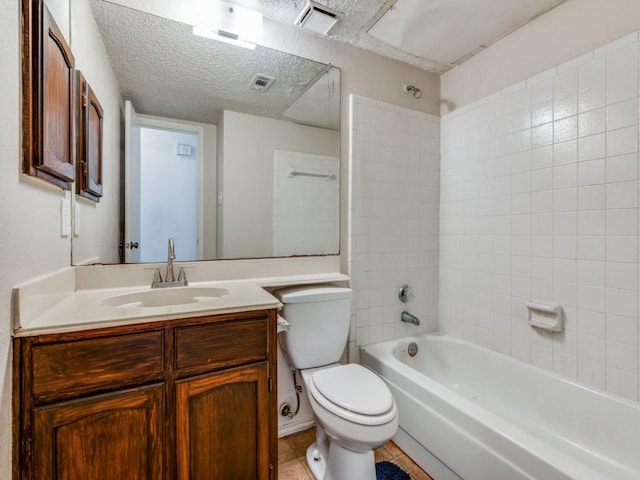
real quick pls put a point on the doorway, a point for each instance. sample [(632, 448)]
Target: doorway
[(164, 187)]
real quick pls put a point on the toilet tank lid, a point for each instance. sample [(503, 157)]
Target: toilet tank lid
[(312, 293)]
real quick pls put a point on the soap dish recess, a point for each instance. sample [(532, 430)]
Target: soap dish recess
[(545, 315)]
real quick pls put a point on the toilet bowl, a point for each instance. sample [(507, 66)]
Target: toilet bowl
[(355, 413), (353, 408)]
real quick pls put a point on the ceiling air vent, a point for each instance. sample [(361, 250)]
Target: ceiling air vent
[(261, 82), (317, 18)]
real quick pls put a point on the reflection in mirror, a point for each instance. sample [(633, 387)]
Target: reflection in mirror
[(233, 152)]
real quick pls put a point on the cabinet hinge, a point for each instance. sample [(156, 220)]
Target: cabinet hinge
[(270, 471), (269, 382)]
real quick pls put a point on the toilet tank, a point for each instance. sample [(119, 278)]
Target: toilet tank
[(319, 318)]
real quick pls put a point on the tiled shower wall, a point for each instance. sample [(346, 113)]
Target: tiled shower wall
[(395, 156), (539, 199)]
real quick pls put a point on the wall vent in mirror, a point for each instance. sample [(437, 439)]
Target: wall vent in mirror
[(262, 82)]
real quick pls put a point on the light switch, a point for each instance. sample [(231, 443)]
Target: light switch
[(76, 220), (65, 217)]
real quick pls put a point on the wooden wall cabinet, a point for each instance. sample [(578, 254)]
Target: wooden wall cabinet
[(89, 144), (182, 399), (48, 98)]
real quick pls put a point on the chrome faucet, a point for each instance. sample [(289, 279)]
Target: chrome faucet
[(170, 278), (409, 318), (171, 256)]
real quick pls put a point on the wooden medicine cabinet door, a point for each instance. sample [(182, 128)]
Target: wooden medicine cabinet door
[(89, 182), (48, 71)]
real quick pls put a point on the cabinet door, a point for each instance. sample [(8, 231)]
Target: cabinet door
[(89, 162), (107, 437), (223, 425)]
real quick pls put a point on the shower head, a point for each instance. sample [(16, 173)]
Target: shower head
[(410, 89)]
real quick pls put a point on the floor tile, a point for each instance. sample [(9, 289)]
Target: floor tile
[(293, 470), (292, 464), (286, 451), (300, 441)]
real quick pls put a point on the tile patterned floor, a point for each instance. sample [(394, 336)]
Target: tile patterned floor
[(292, 464)]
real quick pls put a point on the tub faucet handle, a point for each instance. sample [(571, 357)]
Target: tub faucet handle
[(406, 293)]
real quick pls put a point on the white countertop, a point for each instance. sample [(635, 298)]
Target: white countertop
[(55, 304), (84, 310)]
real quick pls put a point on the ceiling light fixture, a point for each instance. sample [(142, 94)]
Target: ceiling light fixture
[(317, 18), (215, 19), (223, 36), (230, 24)]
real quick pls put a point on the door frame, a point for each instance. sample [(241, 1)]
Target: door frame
[(190, 127)]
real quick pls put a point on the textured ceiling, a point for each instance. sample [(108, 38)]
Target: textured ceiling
[(464, 18), (357, 16), (450, 31), (165, 70)]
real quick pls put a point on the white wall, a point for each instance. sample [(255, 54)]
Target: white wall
[(30, 242), (571, 29), (247, 176), (539, 199), (99, 222), (394, 214)]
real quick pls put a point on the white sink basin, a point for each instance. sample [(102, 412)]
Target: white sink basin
[(165, 297)]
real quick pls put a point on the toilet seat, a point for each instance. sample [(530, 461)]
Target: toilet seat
[(354, 393)]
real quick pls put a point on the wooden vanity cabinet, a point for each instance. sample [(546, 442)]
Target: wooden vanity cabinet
[(185, 399)]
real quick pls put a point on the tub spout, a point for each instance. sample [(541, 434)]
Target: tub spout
[(409, 318)]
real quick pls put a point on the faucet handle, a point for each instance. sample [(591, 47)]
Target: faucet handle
[(157, 278), (182, 276)]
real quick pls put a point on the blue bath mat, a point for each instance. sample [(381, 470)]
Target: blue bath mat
[(390, 471)]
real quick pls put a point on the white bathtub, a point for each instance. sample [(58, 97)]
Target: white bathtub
[(468, 412)]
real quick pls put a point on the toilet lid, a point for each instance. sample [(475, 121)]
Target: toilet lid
[(354, 388)]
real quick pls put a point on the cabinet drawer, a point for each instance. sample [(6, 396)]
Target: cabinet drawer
[(70, 369), (204, 348)]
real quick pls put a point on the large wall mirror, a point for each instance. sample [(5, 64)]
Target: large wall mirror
[(233, 152)]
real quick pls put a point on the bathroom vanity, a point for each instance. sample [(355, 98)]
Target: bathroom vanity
[(191, 396), (112, 383)]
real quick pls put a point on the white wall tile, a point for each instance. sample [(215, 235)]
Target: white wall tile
[(395, 203), (592, 147), (623, 114), (592, 73), (540, 197), (622, 86), (591, 172), (622, 329), (592, 122), (592, 97), (622, 168)]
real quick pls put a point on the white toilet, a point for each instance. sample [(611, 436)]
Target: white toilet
[(354, 409)]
